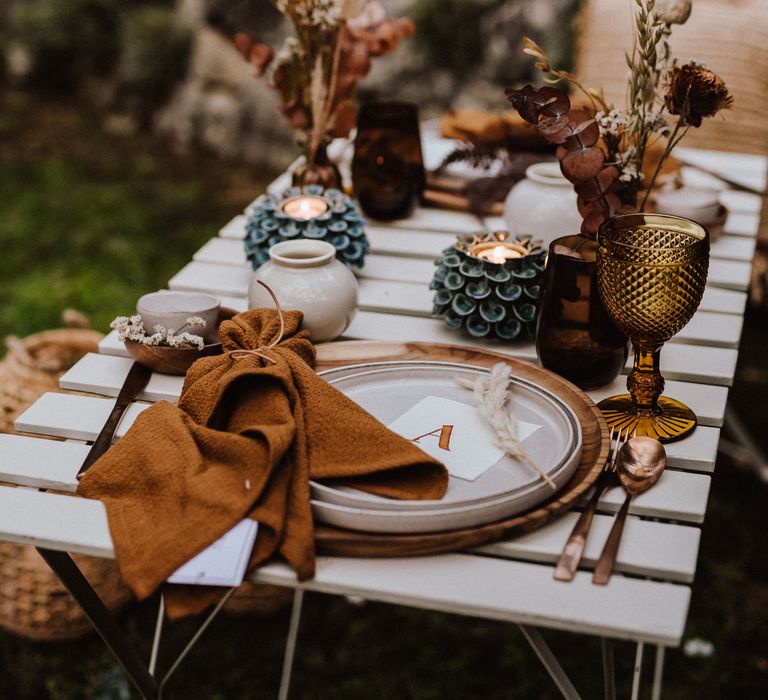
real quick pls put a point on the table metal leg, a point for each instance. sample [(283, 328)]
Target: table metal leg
[(191, 643), (550, 662), (82, 591), (158, 633), (290, 644), (658, 672), (609, 669), (637, 671)]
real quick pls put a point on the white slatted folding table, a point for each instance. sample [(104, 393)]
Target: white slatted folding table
[(646, 601)]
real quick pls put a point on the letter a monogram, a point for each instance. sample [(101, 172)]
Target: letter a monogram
[(443, 434)]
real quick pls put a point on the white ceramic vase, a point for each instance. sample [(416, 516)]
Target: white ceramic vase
[(543, 205), (305, 274)]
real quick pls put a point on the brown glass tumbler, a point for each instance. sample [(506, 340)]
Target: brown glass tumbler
[(387, 168), (575, 337)]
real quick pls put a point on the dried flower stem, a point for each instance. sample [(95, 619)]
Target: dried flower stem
[(596, 99), (674, 139), (492, 394)]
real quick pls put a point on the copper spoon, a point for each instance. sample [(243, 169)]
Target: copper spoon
[(641, 462)]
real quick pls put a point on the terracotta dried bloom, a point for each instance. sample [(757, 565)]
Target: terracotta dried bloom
[(673, 11), (695, 92)]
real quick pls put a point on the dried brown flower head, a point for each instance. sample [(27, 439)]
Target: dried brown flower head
[(695, 92), (673, 11)]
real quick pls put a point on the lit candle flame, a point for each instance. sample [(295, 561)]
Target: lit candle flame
[(305, 207), (497, 254)]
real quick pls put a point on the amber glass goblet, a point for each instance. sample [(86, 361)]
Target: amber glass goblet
[(651, 273)]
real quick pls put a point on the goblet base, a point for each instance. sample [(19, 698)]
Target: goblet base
[(674, 422)]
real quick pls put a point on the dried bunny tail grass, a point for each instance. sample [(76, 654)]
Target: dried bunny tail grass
[(491, 396)]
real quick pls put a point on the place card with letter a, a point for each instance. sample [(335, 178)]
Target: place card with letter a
[(454, 433)]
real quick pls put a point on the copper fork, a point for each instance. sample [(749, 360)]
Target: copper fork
[(573, 550)]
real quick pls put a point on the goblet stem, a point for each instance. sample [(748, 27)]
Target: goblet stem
[(645, 382)]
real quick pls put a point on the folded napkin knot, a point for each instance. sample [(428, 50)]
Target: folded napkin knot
[(261, 350), (258, 352)]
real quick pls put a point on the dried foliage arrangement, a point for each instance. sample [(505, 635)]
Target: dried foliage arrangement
[(602, 148), (316, 71)]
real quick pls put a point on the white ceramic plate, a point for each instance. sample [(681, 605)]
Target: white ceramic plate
[(389, 389)]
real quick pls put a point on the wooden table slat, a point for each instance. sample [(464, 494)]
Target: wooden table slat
[(99, 374), (61, 522), (681, 495), (498, 589), (662, 550), (648, 548), (467, 584), (404, 297)]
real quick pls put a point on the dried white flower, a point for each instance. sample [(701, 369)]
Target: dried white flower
[(132, 328), (492, 396), (629, 173), (613, 122), (673, 11)]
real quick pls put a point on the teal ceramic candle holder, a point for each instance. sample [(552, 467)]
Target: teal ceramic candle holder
[(488, 284), (309, 212)]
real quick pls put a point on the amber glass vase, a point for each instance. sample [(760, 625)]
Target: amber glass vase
[(317, 169), (387, 167), (575, 337)]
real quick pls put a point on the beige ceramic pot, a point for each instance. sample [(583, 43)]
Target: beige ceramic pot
[(305, 274), (543, 205)]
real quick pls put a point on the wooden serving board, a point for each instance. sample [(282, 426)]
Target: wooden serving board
[(595, 448)]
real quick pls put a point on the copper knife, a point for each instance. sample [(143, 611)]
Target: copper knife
[(137, 379)]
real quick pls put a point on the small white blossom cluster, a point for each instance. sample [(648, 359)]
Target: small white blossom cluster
[(629, 173), (290, 52), (132, 328), (613, 122), (657, 123), (324, 14), (627, 163)]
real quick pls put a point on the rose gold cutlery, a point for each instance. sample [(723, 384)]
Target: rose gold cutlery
[(569, 560), (640, 463)]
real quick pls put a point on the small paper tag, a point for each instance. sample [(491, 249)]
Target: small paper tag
[(456, 434), (224, 562)]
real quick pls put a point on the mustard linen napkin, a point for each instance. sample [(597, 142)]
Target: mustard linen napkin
[(247, 435)]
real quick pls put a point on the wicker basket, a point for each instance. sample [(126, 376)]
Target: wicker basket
[(33, 603)]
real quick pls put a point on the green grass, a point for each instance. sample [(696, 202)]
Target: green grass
[(92, 221)]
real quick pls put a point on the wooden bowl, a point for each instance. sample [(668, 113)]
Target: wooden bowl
[(167, 360)]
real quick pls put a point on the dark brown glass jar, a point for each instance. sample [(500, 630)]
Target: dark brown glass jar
[(574, 335), (387, 167)]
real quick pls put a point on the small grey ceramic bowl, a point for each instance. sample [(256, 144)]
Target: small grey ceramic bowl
[(171, 310)]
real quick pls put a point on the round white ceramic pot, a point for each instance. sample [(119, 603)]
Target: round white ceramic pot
[(305, 274), (543, 205)]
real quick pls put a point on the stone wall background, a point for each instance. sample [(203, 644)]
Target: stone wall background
[(464, 53)]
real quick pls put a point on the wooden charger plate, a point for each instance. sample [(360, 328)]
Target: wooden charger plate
[(595, 448)]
